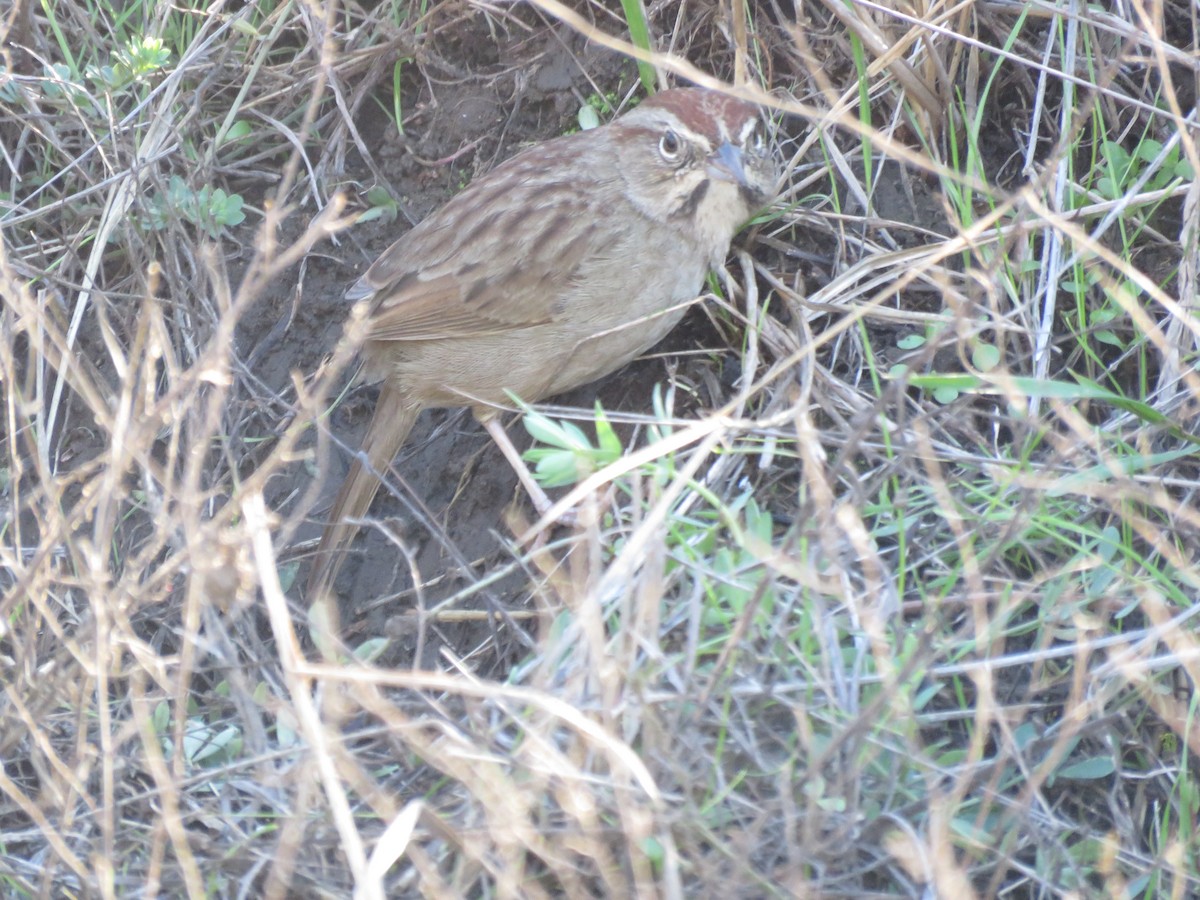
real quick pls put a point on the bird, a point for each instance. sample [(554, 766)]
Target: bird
[(554, 269)]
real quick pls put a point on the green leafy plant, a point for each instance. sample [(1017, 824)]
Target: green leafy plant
[(204, 745), (139, 58), (209, 209), (985, 357), (568, 456), (1121, 169), (598, 106), (383, 206)]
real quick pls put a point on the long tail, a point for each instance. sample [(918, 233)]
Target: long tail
[(390, 425)]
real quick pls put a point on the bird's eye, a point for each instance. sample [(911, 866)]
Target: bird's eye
[(669, 145)]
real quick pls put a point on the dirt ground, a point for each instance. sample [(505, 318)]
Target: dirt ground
[(875, 637), (445, 504), (451, 486)]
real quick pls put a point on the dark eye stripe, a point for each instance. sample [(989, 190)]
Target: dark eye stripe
[(687, 209)]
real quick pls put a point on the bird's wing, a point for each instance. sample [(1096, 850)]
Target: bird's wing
[(502, 255)]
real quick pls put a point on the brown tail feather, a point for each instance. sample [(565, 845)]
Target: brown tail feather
[(390, 425)]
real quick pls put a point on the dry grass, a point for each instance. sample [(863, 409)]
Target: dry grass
[(910, 606)]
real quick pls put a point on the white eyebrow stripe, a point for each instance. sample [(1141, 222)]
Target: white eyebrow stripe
[(695, 137), (747, 130)]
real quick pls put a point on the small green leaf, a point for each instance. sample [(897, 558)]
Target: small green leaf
[(287, 575), (213, 748), (1115, 155), (653, 849), (161, 717), (758, 521), (927, 693), (576, 439), (237, 131), (543, 430), (1109, 542), (985, 357), (382, 206), (1024, 734), (557, 468), (244, 27), (370, 650), (969, 828), (1088, 769), (1097, 581), (588, 118), (1148, 149), (606, 437)]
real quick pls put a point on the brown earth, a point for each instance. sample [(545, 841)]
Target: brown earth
[(446, 501)]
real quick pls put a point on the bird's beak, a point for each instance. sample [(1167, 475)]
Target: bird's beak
[(726, 165)]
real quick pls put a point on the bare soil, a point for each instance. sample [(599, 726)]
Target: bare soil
[(908, 618), (446, 501), (450, 487)]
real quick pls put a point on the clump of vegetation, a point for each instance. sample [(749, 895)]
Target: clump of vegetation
[(887, 585)]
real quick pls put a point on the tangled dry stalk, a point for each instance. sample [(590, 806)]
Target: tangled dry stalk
[(904, 598)]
